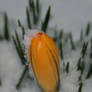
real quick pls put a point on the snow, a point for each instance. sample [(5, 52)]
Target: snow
[(11, 70), (29, 36), (10, 67)]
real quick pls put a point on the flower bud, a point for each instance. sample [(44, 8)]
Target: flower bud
[(43, 59)]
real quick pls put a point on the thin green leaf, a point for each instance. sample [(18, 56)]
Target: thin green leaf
[(89, 72), (80, 87), (38, 11), (1, 38), (84, 49), (61, 34), (20, 47), (55, 36), (82, 67), (67, 67), (21, 78), (22, 28), (18, 50), (80, 77), (34, 12), (88, 29), (46, 20), (79, 64), (91, 49), (37, 7), (61, 49), (6, 29), (30, 4), (18, 42), (0, 83), (28, 18), (71, 40)]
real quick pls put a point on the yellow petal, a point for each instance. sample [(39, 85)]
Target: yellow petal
[(44, 61)]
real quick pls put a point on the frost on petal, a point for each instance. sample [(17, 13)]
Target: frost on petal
[(28, 38)]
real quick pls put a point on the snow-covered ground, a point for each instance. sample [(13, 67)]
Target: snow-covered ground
[(11, 70)]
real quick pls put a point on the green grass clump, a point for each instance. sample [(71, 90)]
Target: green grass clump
[(35, 10)]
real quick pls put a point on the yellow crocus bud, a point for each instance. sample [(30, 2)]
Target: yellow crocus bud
[(44, 61)]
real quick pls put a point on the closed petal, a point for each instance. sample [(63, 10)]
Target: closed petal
[(44, 60)]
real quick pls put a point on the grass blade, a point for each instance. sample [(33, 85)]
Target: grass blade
[(37, 7), (22, 28), (46, 20), (91, 49), (18, 50), (0, 83), (28, 18), (6, 29), (67, 67), (1, 38), (30, 4), (71, 40), (61, 50), (84, 48), (61, 34), (34, 13), (88, 29), (89, 72), (21, 78), (80, 87), (79, 64)]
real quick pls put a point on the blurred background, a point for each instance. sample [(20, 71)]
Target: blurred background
[(70, 15)]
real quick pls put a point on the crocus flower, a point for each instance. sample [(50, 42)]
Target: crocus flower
[(43, 59)]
